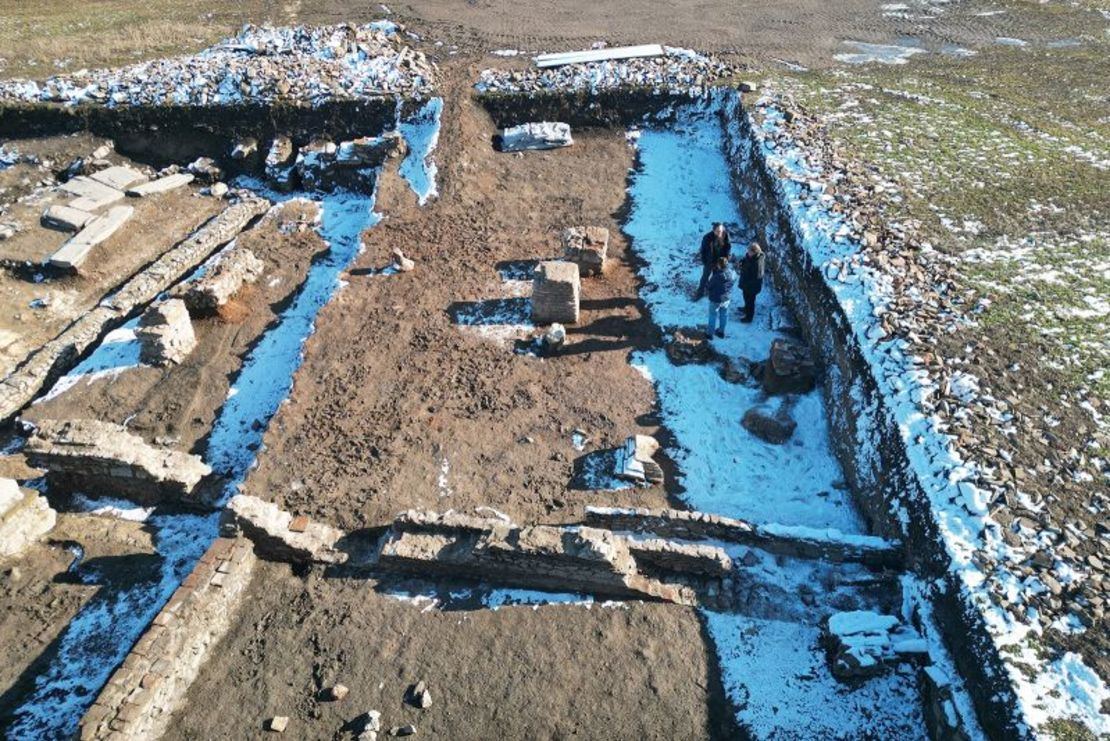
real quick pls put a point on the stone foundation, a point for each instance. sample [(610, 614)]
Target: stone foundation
[(25, 516), (141, 696), (221, 281), (279, 536), (795, 542), (99, 458)]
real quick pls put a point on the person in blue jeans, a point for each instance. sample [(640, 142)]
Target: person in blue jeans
[(718, 288)]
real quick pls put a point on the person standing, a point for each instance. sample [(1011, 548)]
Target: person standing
[(751, 279), (714, 245), (719, 287)]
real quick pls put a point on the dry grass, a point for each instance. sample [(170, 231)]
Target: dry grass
[(44, 37)]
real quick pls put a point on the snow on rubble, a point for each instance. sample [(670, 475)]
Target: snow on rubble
[(262, 64), (1048, 687)]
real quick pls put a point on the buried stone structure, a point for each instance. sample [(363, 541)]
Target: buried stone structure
[(104, 459)]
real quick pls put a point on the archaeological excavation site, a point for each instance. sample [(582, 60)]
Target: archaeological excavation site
[(353, 387)]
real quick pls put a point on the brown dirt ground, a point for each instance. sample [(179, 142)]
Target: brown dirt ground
[(562, 671), (157, 225), (38, 597), (391, 387)]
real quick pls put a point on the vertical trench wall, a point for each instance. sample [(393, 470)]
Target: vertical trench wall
[(867, 434)]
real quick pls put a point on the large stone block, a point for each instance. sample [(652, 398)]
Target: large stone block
[(224, 277), (556, 290), (537, 135), (104, 459), (25, 516), (166, 333), (587, 247), (278, 535)]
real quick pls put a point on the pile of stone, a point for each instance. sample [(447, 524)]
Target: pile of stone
[(25, 516), (863, 643), (556, 290), (579, 559), (587, 247), (790, 369), (306, 64), (223, 279), (677, 70), (166, 334), (536, 135), (103, 459)]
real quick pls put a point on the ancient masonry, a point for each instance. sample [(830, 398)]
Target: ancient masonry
[(555, 293), (99, 458), (587, 247), (278, 535), (580, 559), (223, 279), (796, 542), (25, 516), (141, 696), (166, 333), (23, 384)]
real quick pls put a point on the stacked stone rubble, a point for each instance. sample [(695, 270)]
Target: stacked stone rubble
[(166, 333), (587, 247), (104, 459), (140, 697), (221, 281)]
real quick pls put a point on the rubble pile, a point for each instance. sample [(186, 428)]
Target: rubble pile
[(677, 70), (1041, 564), (263, 64), (104, 459), (166, 333), (221, 281), (864, 644)]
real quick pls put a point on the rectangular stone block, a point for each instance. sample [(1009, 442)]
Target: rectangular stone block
[(74, 252), (587, 247), (119, 177), (556, 292)]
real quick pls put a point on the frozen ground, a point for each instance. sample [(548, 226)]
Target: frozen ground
[(772, 667)]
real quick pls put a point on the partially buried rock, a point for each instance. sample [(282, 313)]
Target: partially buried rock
[(401, 263), (419, 696), (278, 723), (206, 170), (538, 135), (337, 693), (789, 369), (555, 336), (218, 190), (775, 427), (409, 730)]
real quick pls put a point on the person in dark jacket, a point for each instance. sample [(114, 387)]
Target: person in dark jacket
[(751, 279), (719, 287), (714, 245)]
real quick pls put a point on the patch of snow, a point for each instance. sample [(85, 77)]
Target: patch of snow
[(882, 53), (117, 352), (421, 132), (121, 509)]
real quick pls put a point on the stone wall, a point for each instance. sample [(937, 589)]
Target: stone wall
[(51, 360), (25, 516), (142, 694), (570, 558), (828, 545), (278, 535), (100, 458), (865, 432)]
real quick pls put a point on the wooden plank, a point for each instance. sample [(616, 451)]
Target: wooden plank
[(559, 59), (73, 253)]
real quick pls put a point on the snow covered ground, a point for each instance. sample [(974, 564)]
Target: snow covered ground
[(772, 666)]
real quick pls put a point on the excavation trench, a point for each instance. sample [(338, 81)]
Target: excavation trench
[(697, 163)]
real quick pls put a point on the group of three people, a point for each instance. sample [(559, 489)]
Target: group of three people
[(718, 279)]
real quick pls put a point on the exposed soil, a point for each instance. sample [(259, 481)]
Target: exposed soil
[(560, 671), (398, 406), (42, 589)]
